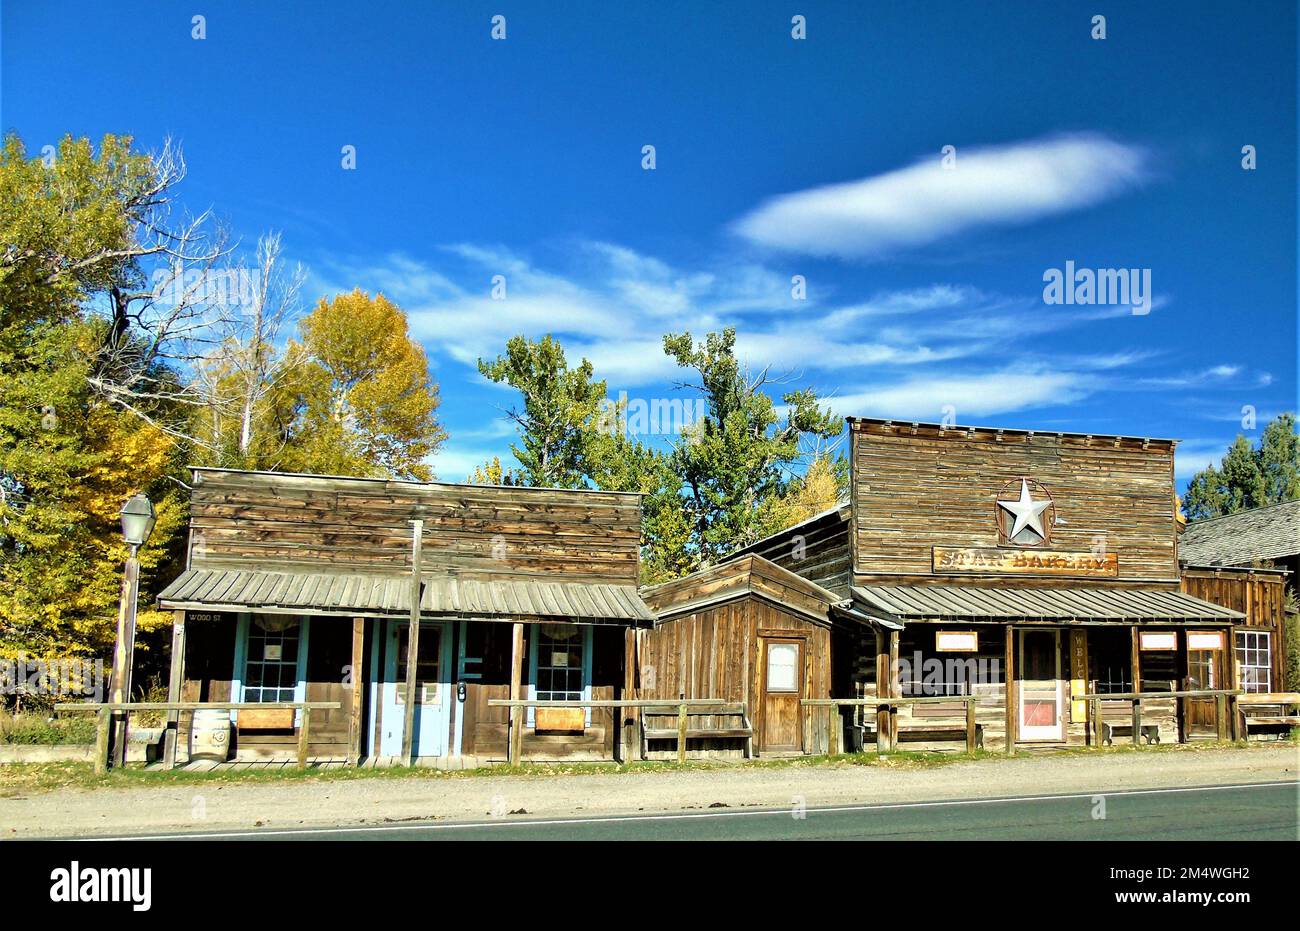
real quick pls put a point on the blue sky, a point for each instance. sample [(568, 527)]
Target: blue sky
[(774, 158)]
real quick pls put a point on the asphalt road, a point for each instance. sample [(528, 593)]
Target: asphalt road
[(1264, 811)]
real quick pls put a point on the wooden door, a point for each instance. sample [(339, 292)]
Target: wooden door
[(433, 690), (1041, 688), (1205, 670), (783, 687)]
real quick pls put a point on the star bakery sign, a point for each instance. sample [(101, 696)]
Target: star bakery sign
[(1025, 515)]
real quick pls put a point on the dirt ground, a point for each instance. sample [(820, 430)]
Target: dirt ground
[(201, 807)]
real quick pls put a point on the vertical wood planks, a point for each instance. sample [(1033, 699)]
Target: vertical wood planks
[(1010, 690), (354, 713), (515, 750)]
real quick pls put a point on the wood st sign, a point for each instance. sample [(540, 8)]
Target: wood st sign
[(1008, 561)]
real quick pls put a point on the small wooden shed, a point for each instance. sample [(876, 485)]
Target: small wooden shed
[(745, 631)]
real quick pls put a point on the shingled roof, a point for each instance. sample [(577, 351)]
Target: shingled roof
[(1271, 532)]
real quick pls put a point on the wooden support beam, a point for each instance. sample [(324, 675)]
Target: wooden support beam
[(1098, 733), (515, 751), (1136, 721), (628, 718), (882, 691), (1220, 714), (358, 692), (970, 727), (304, 736), (412, 645), (681, 733), (103, 723), (1135, 659), (1009, 698), (175, 682), (895, 689)]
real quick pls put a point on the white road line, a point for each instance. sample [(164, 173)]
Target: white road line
[(613, 819)]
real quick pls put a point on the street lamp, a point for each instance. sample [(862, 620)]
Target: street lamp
[(137, 523)]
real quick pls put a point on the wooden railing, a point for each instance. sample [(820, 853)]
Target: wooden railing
[(683, 705), (1225, 709), (888, 719), (106, 710)]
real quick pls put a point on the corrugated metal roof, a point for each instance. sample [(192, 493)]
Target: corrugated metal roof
[(390, 594), (1271, 532), (952, 602)]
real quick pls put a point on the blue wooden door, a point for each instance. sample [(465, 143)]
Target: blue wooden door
[(433, 691)]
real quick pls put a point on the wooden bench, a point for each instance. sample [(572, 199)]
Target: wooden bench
[(922, 732), (665, 724), (1287, 716)]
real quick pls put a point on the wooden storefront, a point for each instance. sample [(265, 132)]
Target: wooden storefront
[(1024, 569), (750, 632), (300, 588), (1259, 641)]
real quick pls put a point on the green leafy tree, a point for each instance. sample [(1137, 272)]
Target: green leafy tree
[(739, 459), (1249, 477), (560, 407)]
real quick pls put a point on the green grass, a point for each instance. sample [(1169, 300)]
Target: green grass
[(37, 729), (21, 778)]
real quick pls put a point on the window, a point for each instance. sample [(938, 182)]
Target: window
[(782, 674), (1255, 660), (560, 658), (271, 659), (428, 665)]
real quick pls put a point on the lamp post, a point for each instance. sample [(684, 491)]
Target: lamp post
[(137, 523)]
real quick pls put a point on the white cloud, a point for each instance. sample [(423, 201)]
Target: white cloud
[(1191, 456), (925, 202), (974, 395)]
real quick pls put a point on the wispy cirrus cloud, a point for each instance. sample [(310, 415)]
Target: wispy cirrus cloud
[(976, 394), (925, 202)]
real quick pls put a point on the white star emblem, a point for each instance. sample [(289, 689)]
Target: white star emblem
[(1027, 512)]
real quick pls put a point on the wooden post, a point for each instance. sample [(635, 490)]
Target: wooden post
[(103, 722), (1136, 721), (304, 735), (412, 644), (626, 719), (515, 751), (895, 689), (834, 727), (1098, 733), (681, 733), (354, 713), (124, 653), (175, 683), (1135, 658), (1220, 707), (1009, 697), (970, 726), (882, 691)]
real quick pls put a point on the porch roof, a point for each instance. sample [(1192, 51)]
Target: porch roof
[(953, 602), (385, 595)]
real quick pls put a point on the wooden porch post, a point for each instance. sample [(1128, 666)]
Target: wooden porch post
[(175, 683), (412, 644), (515, 750), (882, 691), (358, 667), (1009, 697), (628, 730), (894, 689), (1135, 658)]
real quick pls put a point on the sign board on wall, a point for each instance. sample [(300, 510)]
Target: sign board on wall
[(1009, 561), (1158, 641), (1078, 673), (1204, 641), (956, 641)]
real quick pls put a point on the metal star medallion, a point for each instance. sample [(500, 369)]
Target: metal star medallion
[(1027, 512)]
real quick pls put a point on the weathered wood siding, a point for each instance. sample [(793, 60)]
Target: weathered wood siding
[(265, 521), (1259, 596), (713, 653), (915, 487), (819, 551)]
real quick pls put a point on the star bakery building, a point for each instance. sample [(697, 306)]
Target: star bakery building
[(1025, 568)]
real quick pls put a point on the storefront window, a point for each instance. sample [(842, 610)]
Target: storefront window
[(1255, 660), (271, 661)]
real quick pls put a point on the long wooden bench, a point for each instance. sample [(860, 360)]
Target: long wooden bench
[(1281, 722), (665, 724), (923, 732)]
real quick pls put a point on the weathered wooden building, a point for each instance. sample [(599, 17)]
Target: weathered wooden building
[(1025, 568), (750, 632), (300, 588), (1247, 561)]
